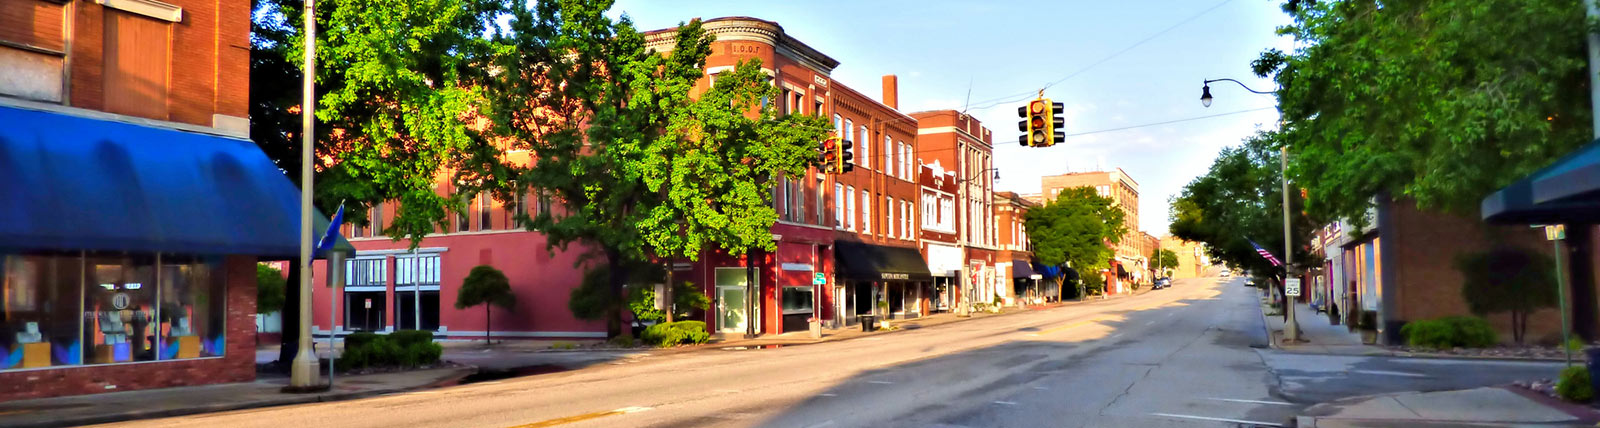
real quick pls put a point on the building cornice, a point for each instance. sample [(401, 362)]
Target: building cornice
[(735, 28)]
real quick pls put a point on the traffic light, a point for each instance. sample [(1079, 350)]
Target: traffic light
[(846, 157), (1042, 123), (829, 154)]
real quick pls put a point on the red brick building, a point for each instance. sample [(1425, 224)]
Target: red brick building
[(153, 283), (940, 243), (1016, 251), (962, 144)]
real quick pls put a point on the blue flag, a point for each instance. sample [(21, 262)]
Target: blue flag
[(331, 237)]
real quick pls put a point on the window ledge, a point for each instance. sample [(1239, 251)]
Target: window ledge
[(150, 8)]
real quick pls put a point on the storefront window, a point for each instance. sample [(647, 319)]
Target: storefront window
[(797, 300), (119, 309), (192, 318), (39, 298)]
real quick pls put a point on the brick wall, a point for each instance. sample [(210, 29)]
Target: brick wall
[(237, 365), (1421, 251)]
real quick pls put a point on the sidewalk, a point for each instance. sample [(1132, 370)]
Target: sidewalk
[(158, 403), (1471, 407), (1317, 334)]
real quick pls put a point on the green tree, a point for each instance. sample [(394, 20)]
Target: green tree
[(394, 87), (1162, 259), (1238, 200), (1077, 228), (486, 286), (1508, 279), (1440, 101), (685, 297), (643, 169), (269, 289)]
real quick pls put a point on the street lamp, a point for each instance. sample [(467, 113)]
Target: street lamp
[(1291, 330), (1205, 90)]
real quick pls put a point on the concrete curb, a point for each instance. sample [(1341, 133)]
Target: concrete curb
[(1272, 342), (801, 342), (460, 373)]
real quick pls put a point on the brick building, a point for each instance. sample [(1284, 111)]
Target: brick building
[(1016, 251), (1193, 262), (138, 270), (962, 144), (1131, 254), (940, 241)]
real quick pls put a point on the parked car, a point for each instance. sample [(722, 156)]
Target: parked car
[(1226, 274), (1162, 283)]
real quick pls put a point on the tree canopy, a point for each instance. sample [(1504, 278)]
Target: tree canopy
[(1441, 101), (1077, 229), (644, 167), (1238, 200)]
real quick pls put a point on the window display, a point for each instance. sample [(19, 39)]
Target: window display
[(63, 309)]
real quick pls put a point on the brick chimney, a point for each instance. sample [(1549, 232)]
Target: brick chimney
[(891, 91)]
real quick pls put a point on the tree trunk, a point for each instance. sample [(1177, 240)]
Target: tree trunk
[(487, 324), (667, 297), (750, 294), (289, 343), (1518, 324), (619, 278)]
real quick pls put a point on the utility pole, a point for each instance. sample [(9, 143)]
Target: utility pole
[(303, 371), (1291, 328)]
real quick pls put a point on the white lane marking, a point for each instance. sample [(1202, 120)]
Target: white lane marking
[(1170, 314), (490, 383), (1008, 403), (1236, 400), (881, 382), (1205, 418), (827, 423), (828, 394), (727, 391), (1040, 388), (633, 409), (872, 338), (1033, 335), (1148, 323), (1389, 373)]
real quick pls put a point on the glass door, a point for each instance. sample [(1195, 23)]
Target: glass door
[(731, 309)]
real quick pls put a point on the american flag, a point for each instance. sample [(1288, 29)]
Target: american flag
[(1264, 253)]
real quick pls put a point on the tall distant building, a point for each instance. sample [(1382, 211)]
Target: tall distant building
[(1130, 256)]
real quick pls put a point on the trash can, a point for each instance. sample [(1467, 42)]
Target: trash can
[(1594, 366), (868, 322)]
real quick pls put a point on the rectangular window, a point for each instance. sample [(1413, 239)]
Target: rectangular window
[(192, 318), (520, 209), (136, 65), (821, 209), (416, 292), (905, 161), (850, 208), (464, 218), (39, 312), (865, 146), (838, 205), (122, 299), (366, 293), (796, 300), (544, 202), (849, 131), (485, 212), (782, 199), (866, 212), (888, 208), (905, 215), (377, 219), (889, 167)]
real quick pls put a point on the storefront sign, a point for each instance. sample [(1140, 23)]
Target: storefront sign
[(819, 279), (943, 259), (120, 301), (900, 276)]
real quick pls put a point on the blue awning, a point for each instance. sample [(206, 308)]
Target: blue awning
[(76, 183), (1559, 193)]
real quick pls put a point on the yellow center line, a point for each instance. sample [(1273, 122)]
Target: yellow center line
[(581, 418)]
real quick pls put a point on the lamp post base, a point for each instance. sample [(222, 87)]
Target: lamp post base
[(303, 371)]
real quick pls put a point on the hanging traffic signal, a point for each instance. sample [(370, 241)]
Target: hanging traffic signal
[(845, 156), (828, 156), (1041, 121)]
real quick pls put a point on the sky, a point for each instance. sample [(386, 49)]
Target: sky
[(1113, 64)]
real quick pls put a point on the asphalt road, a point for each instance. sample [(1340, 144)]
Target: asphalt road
[(1176, 357)]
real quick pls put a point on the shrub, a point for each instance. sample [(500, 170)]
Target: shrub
[(671, 334), (420, 354), (1450, 332), (1574, 385), (406, 338), (358, 339), (1575, 345)]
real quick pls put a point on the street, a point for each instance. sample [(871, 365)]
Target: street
[(1176, 357)]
